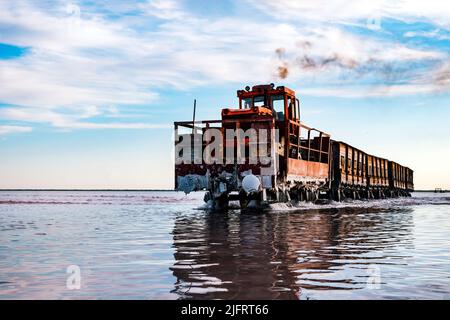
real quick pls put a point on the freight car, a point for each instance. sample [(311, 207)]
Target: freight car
[(358, 175), (261, 153)]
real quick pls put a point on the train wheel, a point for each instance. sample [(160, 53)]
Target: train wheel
[(341, 195), (243, 200), (253, 205), (207, 197), (221, 203)]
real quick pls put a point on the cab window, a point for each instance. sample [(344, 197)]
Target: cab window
[(277, 102), (292, 109), (247, 103), (258, 101)]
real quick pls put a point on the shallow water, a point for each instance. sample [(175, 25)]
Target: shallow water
[(159, 245)]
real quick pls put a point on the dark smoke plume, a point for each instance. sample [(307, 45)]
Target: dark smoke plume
[(283, 71), (390, 72)]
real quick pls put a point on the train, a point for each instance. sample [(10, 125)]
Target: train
[(262, 153)]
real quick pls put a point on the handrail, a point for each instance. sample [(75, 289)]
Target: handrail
[(295, 130), (187, 123)]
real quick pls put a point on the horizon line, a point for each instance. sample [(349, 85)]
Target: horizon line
[(58, 189), (136, 190)]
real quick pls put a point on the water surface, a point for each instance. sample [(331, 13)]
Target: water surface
[(160, 245)]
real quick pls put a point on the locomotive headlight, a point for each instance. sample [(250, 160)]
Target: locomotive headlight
[(250, 183)]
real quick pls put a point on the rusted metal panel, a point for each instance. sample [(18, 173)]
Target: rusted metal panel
[(352, 165), (400, 177), (311, 169), (357, 168), (378, 176), (267, 90)]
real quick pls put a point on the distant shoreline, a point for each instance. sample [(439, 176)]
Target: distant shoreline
[(133, 190), (143, 190)]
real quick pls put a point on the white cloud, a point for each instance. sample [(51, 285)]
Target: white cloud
[(120, 125), (321, 10), (436, 34), (163, 9), (440, 76), (357, 11), (81, 62), (369, 91), (13, 129), (70, 120)]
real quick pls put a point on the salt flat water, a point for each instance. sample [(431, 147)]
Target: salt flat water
[(162, 245)]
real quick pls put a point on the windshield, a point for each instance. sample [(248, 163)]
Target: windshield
[(258, 101), (276, 102), (247, 103), (278, 106)]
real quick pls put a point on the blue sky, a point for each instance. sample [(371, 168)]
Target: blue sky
[(89, 90)]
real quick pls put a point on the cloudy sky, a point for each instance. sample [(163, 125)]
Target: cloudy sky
[(89, 89)]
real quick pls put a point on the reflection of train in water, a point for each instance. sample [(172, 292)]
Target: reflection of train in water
[(286, 256), (276, 158)]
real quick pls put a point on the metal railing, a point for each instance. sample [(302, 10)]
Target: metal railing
[(316, 149)]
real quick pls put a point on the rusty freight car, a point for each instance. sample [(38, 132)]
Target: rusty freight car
[(262, 152), (358, 175)]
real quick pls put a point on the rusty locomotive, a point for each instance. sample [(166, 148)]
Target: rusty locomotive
[(272, 156)]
